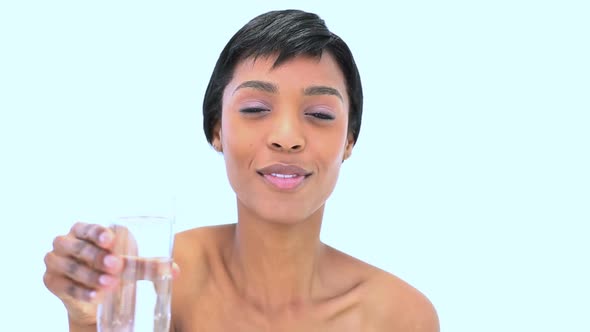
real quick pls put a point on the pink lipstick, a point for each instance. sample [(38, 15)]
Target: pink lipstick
[(284, 177)]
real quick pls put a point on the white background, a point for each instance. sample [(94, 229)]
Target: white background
[(469, 180)]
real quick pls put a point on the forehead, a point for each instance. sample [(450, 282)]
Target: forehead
[(296, 73)]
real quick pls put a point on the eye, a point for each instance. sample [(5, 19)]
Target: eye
[(254, 110), (321, 115)]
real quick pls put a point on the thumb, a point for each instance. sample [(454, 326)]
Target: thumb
[(175, 270)]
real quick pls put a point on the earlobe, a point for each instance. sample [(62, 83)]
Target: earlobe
[(217, 147), (216, 142), (348, 148), (347, 154)]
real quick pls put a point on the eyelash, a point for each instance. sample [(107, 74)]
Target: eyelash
[(321, 116), (253, 110), (257, 110)]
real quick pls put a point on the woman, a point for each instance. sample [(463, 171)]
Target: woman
[(284, 107)]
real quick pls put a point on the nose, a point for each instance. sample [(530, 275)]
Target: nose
[(286, 135)]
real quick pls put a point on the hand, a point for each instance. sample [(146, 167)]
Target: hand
[(85, 263), (80, 267)]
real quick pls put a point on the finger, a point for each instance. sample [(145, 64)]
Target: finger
[(84, 251), (78, 272), (141, 268), (124, 242), (64, 287), (175, 270), (97, 234), (161, 274)]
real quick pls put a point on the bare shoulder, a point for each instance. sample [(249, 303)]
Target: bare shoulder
[(194, 241), (394, 305), (194, 250), (388, 302)]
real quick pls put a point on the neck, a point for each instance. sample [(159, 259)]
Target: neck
[(272, 265)]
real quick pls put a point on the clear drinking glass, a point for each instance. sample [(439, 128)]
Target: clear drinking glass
[(141, 301)]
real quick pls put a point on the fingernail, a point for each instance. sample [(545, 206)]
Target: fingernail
[(104, 238), (110, 261), (106, 280), (175, 270)]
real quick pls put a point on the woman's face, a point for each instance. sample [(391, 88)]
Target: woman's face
[(284, 135)]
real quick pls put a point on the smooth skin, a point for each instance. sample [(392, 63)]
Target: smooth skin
[(269, 271)]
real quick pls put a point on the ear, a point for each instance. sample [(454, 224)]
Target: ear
[(216, 141), (348, 147)]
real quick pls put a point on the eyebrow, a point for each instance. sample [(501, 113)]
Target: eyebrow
[(315, 90), (322, 90), (258, 85)]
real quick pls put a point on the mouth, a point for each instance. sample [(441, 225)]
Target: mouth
[(284, 177)]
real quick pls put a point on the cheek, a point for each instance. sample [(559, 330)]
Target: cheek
[(331, 155), (238, 148), (237, 139), (333, 148)]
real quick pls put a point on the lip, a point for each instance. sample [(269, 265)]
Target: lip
[(283, 169), (284, 176)]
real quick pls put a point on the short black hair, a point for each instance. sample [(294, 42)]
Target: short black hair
[(287, 34)]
